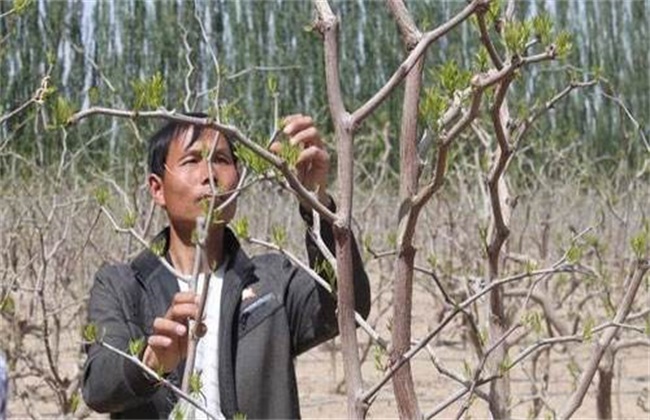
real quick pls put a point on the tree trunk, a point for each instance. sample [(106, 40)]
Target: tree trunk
[(604, 393)]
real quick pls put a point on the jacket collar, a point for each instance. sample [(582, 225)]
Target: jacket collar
[(148, 268), (161, 285)]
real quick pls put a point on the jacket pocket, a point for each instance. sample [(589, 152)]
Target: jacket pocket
[(256, 312)]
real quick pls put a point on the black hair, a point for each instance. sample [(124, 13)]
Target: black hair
[(160, 141)]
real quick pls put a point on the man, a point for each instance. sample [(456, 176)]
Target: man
[(264, 313)]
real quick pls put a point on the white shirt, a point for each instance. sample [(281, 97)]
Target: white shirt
[(207, 352)]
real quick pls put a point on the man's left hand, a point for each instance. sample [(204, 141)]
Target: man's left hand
[(313, 162)]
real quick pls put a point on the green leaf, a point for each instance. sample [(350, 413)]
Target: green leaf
[(63, 110), (158, 247), (94, 95), (494, 11), (129, 219), (251, 159), (505, 365), (196, 383), (20, 5), (533, 320), (74, 402), (240, 227), (239, 416), (90, 333), (563, 44), (573, 254), (290, 153), (136, 346), (272, 84), (279, 235), (148, 93), (516, 35), (8, 306), (451, 78), (639, 244), (379, 355), (530, 266), (574, 369), (432, 260), (101, 195), (179, 412), (326, 271), (587, 330), (432, 106), (542, 27), (482, 59), (392, 239), (468, 370)]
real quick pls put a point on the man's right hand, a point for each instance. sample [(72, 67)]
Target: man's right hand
[(167, 346)]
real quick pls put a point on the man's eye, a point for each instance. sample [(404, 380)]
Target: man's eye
[(190, 161), (222, 159)]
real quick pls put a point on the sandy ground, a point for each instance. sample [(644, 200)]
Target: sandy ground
[(319, 398)]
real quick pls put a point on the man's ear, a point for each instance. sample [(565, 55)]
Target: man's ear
[(156, 189)]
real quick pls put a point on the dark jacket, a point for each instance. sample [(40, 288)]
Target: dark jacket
[(258, 337)]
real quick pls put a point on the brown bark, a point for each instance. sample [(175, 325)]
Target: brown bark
[(403, 384), (604, 393), (328, 27)]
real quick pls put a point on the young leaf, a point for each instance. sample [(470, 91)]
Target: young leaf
[(130, 219), (63, 110), (20, 5), (505, 365), (8, 306), (136, 346), (563, 44), (196, 383), (148, 93), (74, 402), (290, 153), (542, 26), (378, 356), (272, 84), (587, 330), (240, 227), (279, 235), (573, 254), (101, 195), (178, 413), (158, 246), (250, 159), (89, 333)]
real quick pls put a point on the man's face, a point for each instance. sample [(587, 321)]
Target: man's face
[(191, 173)]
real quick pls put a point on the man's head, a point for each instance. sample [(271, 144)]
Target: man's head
[(188, 165), (159, 142)]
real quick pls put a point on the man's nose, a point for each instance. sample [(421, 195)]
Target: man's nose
[(207, 172)]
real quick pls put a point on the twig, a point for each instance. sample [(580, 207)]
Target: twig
[(131, 231), (158, 378), (458, 309), (230, 131), (321, 282), (637, 275)]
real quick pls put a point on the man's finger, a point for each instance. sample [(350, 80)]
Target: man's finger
[(181, 312), (169, 328), (306, 137), (313, 155), (185, 297), (160, 342), (296, 123)]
